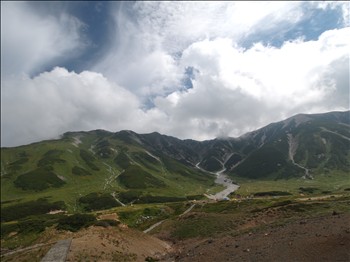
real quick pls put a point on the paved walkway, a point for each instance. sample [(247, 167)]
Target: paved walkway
[(58, 253)]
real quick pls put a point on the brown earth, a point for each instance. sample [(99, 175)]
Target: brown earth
[(261, 236), (325, 238), (115, 244)]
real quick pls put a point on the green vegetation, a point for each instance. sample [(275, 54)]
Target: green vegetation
[(231, 218), (122, 160), (38, 179), (88, 159), (50, 158), (79, 171), (75, 222), (272, 193), (25, 209), (98, 201), (136, 178)]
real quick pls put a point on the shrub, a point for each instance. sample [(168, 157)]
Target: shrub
[(51, 157), (137, 178), (88, 159), (98, 201), (38, 179), (40, 206), (80, 171), (75, 222)]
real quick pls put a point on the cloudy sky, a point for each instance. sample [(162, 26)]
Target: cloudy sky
[(188, 69)]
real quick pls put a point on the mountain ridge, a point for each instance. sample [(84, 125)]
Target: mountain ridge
[(142, 167)]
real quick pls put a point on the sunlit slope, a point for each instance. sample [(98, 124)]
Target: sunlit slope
[(98, 161)]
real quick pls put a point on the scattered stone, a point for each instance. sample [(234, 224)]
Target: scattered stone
[(236, 246), (210, 241)]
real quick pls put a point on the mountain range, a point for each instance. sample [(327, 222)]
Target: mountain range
[(138, 166)]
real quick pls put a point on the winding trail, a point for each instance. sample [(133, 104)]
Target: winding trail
[(160, 222)]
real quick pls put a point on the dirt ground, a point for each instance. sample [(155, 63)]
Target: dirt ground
[(324, 238), (115, 244)]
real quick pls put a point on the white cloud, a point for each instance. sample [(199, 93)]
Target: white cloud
[(30, 41), (235, 90), (59, 101), (150, 37)]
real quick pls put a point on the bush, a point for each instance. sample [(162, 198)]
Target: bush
[(38, 180), (88, 159), (40, 206), (75, 222), (98, 201), (272, 193), (80, 171), (137, 178), (51, 157)]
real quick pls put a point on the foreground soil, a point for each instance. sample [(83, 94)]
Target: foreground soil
[(325, 238)]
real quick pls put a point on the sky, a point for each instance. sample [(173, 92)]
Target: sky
[(193, 70)]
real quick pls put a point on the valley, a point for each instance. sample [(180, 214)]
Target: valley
[(152, 197)]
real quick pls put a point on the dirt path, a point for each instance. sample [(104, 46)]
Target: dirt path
[(160, 222)]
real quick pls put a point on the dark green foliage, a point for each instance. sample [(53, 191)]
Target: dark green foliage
[(8, 228), (103, 149), (75, 222), (17, 165), (88, 159), (146, 160), (129, 196), (174, 166), (233, 160), (122, 160), (158, 199), (211, 164), (195, 197), (50, 158), (136, 178), (347, 189), (272, 193), (40, 206), (80, 171), (261, 163), (98, 201), (38, 180), (136, 197), (308, 190), (31, 226)]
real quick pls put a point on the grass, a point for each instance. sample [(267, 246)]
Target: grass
[(334, 182), (231, 218)]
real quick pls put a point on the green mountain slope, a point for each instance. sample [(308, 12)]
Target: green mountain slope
[(120, 167), (81, 163)]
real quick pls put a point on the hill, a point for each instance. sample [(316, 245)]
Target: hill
[(124, 167)]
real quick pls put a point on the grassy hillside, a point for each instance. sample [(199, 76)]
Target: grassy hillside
[(82, 163)]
